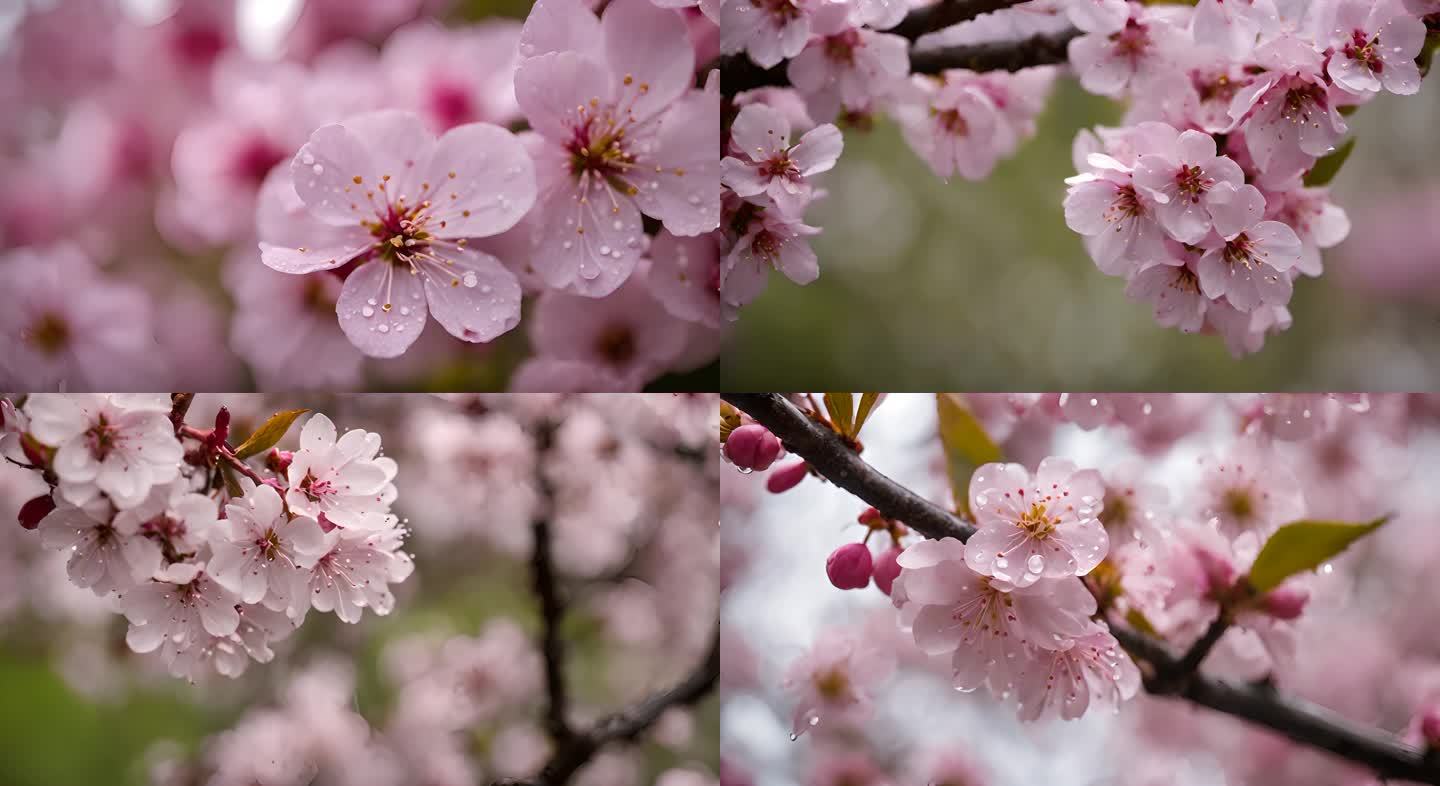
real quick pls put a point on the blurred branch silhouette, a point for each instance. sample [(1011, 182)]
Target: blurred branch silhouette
[(574, 748), (1165, 673)]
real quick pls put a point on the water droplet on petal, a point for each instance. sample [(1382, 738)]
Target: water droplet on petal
[(1035, 564), (368, 311), (470, 279)]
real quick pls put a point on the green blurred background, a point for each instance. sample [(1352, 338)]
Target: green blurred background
[(928, 285)]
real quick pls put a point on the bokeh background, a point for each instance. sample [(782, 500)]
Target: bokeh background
[(78, 708), (928, 285)]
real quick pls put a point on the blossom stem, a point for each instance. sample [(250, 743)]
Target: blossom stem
[(225, 452), (1300, 721)]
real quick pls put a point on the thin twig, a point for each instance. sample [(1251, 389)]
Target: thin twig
[(1300, 721), (552, 645), (946, 13), (629, 725)]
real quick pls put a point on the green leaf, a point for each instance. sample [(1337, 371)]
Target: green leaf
[(232, 483), (867, 405), (1139, 622), (1304, 545), (268, 434), (1328, 167), (967, 446), (842, 411)]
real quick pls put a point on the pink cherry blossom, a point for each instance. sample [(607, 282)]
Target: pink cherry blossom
[(342, 481), (1098, 16), (846, 66), (767, 30), (1232, 25), (986, 623), (1028, 529), (1065, 683), (1174, 292), (68, 326), (1179, 181), (353, 572), (402, 205), (1108, 208), (1249, 267), (1318, 222), (1376, 44), (1248, 491), (767, 168), (951, 126), (454, 76), (628, 337), (621, 132), (684, 275), (183, 605), (770, 241), (832, 684), (1108, 63), (1287, 113), (106, 555), (117, 445), (260, 553)]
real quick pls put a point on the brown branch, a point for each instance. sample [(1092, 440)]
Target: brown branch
[(739, 73), (629, 725), (552, 645), (946, 13), (1168, 674)]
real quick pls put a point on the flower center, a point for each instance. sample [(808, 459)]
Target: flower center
[(599, 146), (1192, 182), (616, 345), (450, 104), (101, 438), (833, 685), (1132, 41), (840, 48), (269, 544), (1242, 251), (780, 167), (1299, 101), (1239, 504), (1217, 88), (1126, 205), (1363, 49), (951, 121), (50, 333), (314, 488), (780, 11), (1038, 522)]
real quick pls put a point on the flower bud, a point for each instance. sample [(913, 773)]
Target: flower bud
[(278, 461), (871, 517), (1285, 602), (849, 566), (752, 447), (222, 427), (1219, 572), (1430, 725), (887, 567), (787, 477), (34, 510)]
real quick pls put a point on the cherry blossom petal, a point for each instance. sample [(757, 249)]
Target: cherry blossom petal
[(553, 91), (476, 299), (649, 51), (684, 191), (482, 182), (375, 330)]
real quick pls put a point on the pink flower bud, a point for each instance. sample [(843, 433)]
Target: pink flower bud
[(887, 567), (278, 461), (1219, 573), (222, 427), (849, 566), (1430, 725), (34, 510), (787, 477), (752, 446), (1285, 602), (871, 517)]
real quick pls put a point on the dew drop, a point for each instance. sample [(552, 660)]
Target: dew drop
[(619, 225), (317, 169), (1035, 564), (383, 328), (470, 279), (604, 251), (368, 311)]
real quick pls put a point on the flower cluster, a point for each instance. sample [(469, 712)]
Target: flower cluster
[(1046, 590), (1208, 201), (360, 178), (210, 558), (839, 62)]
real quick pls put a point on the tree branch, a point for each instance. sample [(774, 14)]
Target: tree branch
[(552, 645), (739, 73), (945, 13), (1300, 721), (629, 725)]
